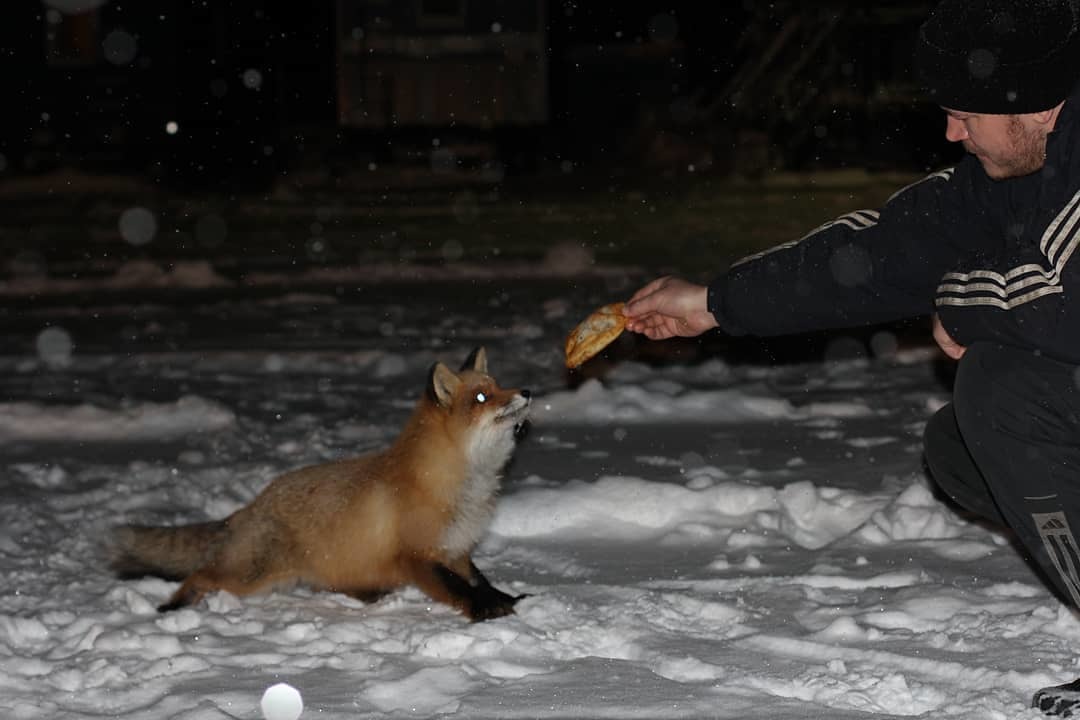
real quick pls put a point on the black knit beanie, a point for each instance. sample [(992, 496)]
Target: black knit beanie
[(999, 57)]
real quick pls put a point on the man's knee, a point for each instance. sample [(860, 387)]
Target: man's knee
[(992, 385), (952, 468), (1007, 393), (939, 442)]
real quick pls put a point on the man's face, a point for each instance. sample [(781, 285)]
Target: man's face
[(1006, 145)]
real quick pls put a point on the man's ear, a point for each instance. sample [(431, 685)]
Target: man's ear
[(442, 383), (477, 361), (1048, 117)]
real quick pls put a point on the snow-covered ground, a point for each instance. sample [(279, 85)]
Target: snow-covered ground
[(700, 538)]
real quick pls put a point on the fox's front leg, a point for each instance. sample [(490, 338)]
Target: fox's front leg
[(493, 592), (463, 586)]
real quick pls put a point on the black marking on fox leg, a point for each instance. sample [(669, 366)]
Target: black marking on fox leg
[(485, 602), (454, 583), (484, 586), (181, 599)]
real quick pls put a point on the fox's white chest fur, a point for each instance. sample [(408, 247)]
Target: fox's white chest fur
[(487, 451)]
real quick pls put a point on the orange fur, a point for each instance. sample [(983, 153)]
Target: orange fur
[(410, 514)]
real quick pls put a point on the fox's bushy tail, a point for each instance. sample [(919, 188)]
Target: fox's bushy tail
[(172, 553)]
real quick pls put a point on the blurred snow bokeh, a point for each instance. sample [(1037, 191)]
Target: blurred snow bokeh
[(138, 226)]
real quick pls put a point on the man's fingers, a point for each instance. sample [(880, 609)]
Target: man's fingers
[(634, 305), (657, 332), (640, 324), (654, 327), (950, 347), (647, 325)]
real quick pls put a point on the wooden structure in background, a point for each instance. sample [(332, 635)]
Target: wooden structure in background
[(441, 63)]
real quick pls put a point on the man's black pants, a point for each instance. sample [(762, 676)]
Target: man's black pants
[(1008, 449)]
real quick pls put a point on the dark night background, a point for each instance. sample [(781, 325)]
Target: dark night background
[(258, 89), (236, 235)]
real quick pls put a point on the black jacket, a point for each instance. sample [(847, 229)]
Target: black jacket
[(992, 258)]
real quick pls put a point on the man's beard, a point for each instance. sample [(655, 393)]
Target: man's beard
[(1028, 152)]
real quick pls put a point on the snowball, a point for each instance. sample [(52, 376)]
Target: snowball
[(281, 702)]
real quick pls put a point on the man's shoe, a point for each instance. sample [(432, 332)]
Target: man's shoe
[(1059, 700)]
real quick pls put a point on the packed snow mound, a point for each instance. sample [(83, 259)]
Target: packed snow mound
[(88, 423), (617, 507)]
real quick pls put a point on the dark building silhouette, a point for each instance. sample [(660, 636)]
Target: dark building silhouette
[(207, 94)]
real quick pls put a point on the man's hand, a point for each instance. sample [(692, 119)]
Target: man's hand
[(669, 307), (948, 346)]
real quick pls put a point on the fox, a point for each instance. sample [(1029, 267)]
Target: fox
[(410, 514)]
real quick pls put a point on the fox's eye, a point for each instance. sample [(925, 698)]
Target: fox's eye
[(481, 397)]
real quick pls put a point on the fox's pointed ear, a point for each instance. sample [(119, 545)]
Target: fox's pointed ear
[(442, 384), (477, 361)]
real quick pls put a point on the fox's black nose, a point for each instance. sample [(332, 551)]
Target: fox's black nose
[(526, 394)]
